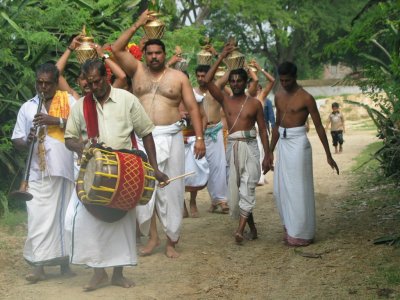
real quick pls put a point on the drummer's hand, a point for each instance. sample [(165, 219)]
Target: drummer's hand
[(44, 119), (199, 149), (161, 177)]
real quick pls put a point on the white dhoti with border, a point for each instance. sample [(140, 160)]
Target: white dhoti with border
[(294, 185), (46, 243), (99, 244), (168, 201), (215, 155), (244, 172)]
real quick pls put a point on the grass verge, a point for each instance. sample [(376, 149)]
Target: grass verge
[(379, 198)]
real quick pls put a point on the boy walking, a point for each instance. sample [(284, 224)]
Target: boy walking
[(336, 120)]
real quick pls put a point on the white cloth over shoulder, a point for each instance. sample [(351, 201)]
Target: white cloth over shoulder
[(244, 172), (57, 155), (199, 166), (293, 183), (169, 200)]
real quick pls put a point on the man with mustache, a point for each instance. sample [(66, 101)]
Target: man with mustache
[(160, 90), (51, 179), (96, 243)]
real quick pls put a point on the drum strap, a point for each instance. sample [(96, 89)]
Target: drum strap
[(92, 125)]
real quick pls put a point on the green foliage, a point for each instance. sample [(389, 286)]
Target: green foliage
[(284, 29), (376, 38)]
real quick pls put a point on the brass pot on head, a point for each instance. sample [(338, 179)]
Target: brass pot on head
[(184, 63), (84, 51), (204, 57), (234, 60), (251, 66), (154, 29), (220, 72)]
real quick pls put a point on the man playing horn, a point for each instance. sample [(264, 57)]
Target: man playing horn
[(161, 90), (51, 180)]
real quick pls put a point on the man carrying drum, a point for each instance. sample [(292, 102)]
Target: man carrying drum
[(96, 243)]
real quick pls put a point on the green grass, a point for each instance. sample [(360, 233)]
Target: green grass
[(365, 161), (379, 195), (13, 221)]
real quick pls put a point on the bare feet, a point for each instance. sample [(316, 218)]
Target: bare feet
[(122, 281), (65, 270), (185, 211), (252, 235), (238, 238), (150, 246), (224, 207), (98, 279), (170, 250), (194, 213), (36, 275)]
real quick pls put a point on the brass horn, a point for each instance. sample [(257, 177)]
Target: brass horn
[(22, 194)]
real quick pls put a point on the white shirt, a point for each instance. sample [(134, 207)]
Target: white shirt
[(120, 114), (59, 160)]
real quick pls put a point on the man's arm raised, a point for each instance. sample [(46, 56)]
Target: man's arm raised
[(127, 62), (214, 90)]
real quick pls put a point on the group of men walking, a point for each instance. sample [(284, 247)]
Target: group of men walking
[(152, 112)]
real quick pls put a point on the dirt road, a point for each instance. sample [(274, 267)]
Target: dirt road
[(212, 266)]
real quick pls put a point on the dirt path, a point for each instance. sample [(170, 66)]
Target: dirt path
[(213, 266)]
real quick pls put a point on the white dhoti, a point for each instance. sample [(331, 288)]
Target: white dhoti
[(99, 244), (244, 171), (96, 243), (200, 166), (168, 201), (215, 155), (45, 243), (293, 185)]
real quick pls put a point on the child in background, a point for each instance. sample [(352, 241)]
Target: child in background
[(336, 120)]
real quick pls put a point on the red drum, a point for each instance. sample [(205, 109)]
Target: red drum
[(112, 182)]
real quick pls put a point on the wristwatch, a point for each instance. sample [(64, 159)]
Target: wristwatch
[(61, 123), (104, 57)]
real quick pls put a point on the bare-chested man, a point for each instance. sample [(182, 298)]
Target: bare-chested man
[(242, 113), (293, 177), (215, 154), (160, 90)]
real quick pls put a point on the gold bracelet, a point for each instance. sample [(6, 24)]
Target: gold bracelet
[(199, 138)]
